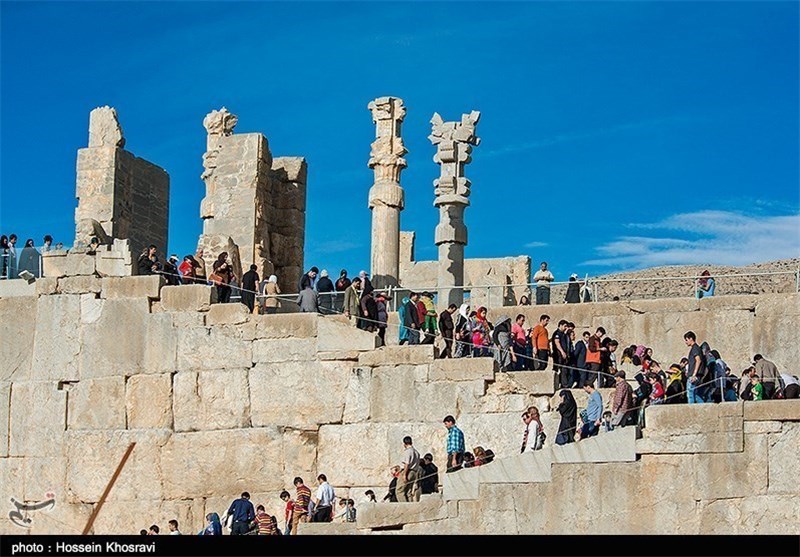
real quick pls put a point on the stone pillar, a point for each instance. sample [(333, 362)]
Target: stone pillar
[(120, 196), (454, 141), (254, 205), (386, 196)]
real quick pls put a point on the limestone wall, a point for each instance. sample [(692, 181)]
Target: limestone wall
[(479, 274), (219, 401)]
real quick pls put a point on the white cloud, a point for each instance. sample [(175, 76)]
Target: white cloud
[(536, 245), (713, 237)]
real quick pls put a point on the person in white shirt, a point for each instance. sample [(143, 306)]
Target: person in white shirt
[(791, 386), (532, 438), (173, 528), (543, 278), (324, 501)]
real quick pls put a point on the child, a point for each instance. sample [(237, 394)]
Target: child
[(286, 498), (607, 425), (657, 396), (758, 388)]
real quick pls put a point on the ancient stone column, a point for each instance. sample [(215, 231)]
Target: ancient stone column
[(386, 195), (454, 141)]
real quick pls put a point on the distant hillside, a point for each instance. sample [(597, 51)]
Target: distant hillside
[(784, 283)]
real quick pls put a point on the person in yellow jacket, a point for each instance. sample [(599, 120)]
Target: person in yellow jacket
[(430, 315)]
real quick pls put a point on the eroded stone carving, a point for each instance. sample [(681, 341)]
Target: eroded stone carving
[(386, 197), (454, 142)]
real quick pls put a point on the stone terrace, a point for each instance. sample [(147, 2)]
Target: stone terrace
[(219, 401)]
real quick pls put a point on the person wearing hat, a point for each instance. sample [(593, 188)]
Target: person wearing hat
[(623, 401), (310, 277), (326, 291), (573, 295), (171, 273)]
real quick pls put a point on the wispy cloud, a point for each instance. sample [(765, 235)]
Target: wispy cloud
[(568, 137), (536, 245), (713, 237)]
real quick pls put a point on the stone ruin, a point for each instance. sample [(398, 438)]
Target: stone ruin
[(392, 257), (120, 196), (255, 205)]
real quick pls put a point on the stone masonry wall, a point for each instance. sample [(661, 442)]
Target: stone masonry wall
[(479, 274), (219, 401)]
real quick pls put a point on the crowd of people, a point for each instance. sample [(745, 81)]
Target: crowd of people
[(25, 262)]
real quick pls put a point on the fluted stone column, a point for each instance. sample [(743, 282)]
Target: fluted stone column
[(386, 197), (454, 141)]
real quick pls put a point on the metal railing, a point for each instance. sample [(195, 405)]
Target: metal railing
[(25, 259)]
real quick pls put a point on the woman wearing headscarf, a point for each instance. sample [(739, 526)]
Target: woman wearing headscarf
[(503, 351), (568, 409), (481, 334), (383, 316), (187, 269), (675, 393), (401, 314), (30, 259), (461, 334), (213, 526), (271, 288), (705, 285)]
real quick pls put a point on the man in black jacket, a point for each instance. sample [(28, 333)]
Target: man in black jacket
[(412, 321), (446, 327)]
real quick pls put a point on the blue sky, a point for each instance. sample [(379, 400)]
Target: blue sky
[(615, 135)]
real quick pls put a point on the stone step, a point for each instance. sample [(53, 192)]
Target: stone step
[(398, 355), (462, 369)]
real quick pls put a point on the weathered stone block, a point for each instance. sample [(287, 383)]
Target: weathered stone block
[(227, 314), (327, 528), (462, 369), (54, 264), (394, 392), (729, 475), (91, 308), (126, 340), (113, 267), (15, 288), (335, 333), (533, 382), (766, 410), (188, 297), (696, 428), (97, 404), (79, 284), (784, 463), (374, 459), (286, 325), (357, 402), (80, 264), (397, 355), (228, 464), (284, 350), (615, 446), (5, 407), (39, 432), (148, 401), (762, 427), (57, 340), (298, 394), (396, 514), (210, 400), (145, 286), (117, 516), (204, 348), (46, 285), (93, 455), (18, 316)]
